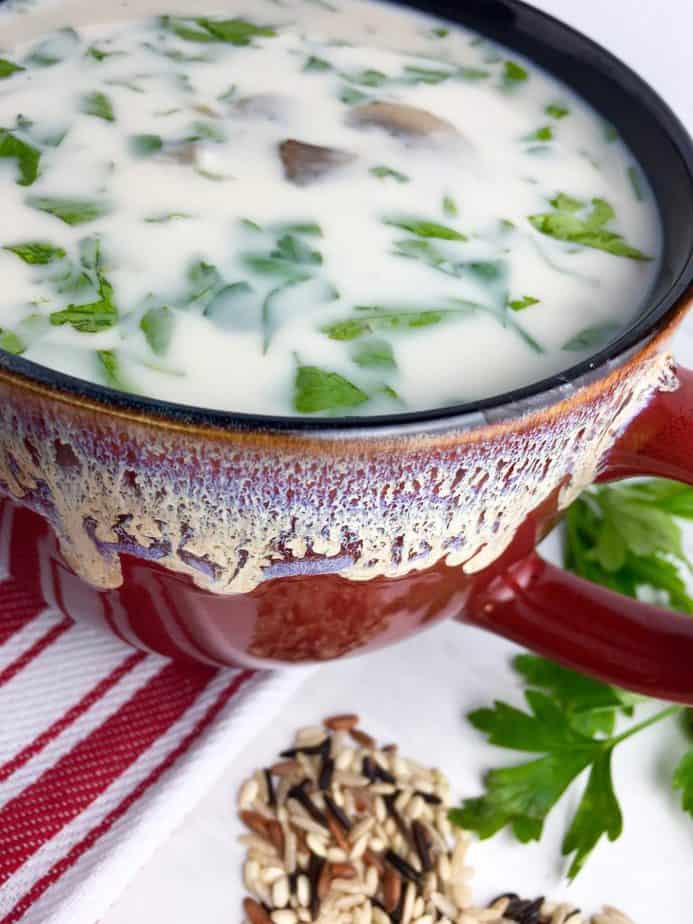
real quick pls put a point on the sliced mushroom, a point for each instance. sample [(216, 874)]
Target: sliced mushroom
[(401, 120), (306, 163)]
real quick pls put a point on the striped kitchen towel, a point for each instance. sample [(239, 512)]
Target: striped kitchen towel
[(103, 750)]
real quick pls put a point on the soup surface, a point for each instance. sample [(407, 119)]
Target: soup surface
[(309, 207)]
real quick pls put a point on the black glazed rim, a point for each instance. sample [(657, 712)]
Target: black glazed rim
[(647, 124)]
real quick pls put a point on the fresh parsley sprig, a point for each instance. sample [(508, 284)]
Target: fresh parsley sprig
[(625, 537)]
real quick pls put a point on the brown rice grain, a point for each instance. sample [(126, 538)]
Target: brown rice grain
[(254, 912), (342, 722), (360, 737)]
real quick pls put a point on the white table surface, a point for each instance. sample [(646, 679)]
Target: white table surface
[(418, 692)]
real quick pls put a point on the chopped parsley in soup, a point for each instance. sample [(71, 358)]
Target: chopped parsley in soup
[(308, 207)]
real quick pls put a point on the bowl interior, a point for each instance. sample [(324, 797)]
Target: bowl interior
[(654, 134)]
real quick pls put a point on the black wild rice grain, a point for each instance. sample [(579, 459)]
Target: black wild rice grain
[(383, 775), (315, 867), (524, 911), (310, 750), (326, 772), (338, 813), (271, 794), (573, 913), (369, 769), (402, 826), (301, 796), (400, 865), (422, 848), (429, 797)]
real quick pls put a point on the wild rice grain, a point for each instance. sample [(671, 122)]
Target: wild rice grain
[(362, 738), (284, 916), (342, 722), (280, 892), (248, 792), (254, 912), (317, 845)]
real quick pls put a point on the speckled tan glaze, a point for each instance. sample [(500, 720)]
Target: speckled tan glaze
[(232, 509)]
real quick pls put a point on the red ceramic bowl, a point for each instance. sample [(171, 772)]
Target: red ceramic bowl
[(234, 539)]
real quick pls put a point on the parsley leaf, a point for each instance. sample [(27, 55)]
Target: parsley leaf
[(111, 370), (98, 105), (316, 390), (556, 111), (36, 252), (10, 342), (374, 354), (8, 68), (235, 31), (521, 797), (563, 224), (26, 156), (71, 211), (450, 206), (426, 229), (383, 173), (99, 314), (157, 326), (683, 780), (375, 318)]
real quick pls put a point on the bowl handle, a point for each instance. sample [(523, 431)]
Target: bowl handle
[(585, 626)]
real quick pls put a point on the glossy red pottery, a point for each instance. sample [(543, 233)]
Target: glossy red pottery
[(233, 539)]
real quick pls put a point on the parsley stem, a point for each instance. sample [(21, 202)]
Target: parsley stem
[(641, 726)]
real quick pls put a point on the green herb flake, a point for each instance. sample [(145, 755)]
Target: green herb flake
[(450, 206), (36, 253), (557, 111), (350, 96), (110, 368), (26, 156), (636, 182), (98, 55), (683, 780), (98, 105), (513, 74), (317, 390), (8, 68), (239, 32), (71, 211), (54, 49), (384, 173), (563, 224), (590, 338), (145, 145), (165, 218), (158, 325), (314, 63), (10, 342), (374, 354), (439, 32), (432, 76), (519, 304), (545, 133), (426, 229), (472, 74)]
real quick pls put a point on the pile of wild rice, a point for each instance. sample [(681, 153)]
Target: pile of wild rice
[(345, 832)]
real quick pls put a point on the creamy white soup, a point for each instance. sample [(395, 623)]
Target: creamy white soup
[(305, 208)]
